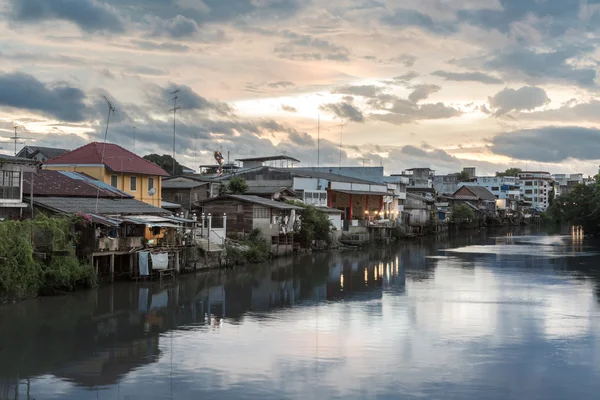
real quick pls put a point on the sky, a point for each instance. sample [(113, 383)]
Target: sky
[(444, 84)]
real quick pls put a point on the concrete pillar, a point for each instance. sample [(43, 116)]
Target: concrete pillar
[(225, 224), (202, 218), (112, 267), (131, 261)]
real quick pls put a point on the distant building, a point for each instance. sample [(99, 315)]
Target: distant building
[(564, 183), (419, 178), (446, 184), (507, 187), (270, 161), (41, 154), (116, 166), (536, 188), (481, 200)]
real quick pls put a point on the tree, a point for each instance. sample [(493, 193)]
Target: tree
[(581, 206), (315, 225), (509, 172), (463, 176), (165, 162), (237, 185), (462, 213)]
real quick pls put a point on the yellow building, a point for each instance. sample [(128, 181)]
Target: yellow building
[(115, 166)]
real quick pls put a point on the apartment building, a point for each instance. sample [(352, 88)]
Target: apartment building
[(536, 188)]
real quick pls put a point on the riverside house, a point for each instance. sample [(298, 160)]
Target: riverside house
[(116, 166), (12, 204)]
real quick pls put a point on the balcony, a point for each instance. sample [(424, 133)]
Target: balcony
[(118, 244)]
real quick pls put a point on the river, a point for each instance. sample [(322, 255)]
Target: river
[(483, 316)]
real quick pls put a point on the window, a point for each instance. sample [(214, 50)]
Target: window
[(10, 185), (133, 183), (528, 183), (150, 183), (114, 181), (529, 191), (495, 189), (261, 213)]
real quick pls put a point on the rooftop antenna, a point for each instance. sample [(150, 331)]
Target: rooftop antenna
[(319, 140), (16, 138), (111, 110), (133, 129), (174, 109), (342, 125)]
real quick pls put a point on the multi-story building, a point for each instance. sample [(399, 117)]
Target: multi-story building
[(536, 188), (564, 183), (506, 187)]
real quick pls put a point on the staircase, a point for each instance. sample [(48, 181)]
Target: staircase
[(204, 244)]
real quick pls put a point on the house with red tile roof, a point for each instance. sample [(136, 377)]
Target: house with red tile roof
[(116, 166)]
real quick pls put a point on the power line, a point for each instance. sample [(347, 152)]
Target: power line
[(174, 109), (319, 140)]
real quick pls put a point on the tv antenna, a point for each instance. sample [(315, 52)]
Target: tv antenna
[(174, 109), (15, 138), (111, 111)]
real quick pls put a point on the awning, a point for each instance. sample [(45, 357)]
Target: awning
[(178, 219), (100, 220)]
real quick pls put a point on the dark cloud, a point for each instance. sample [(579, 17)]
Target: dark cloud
[(549, 144), (403, 111), (58, 100), (190, 100), (526, 98), (288, 108), (364, 91), (281, 84), (589, 112), (468, 77), (344, 110), (88, 15), (307, 47), (525, 64), (404, 18), (422, 92), (176, 27), (149, 45)]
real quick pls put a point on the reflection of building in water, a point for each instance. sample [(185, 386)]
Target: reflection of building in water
[(355, 279)]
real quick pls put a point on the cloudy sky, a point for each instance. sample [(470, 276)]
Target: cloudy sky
[(437, 83)]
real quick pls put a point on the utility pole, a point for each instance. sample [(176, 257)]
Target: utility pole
[(175, 108), (319, 140)]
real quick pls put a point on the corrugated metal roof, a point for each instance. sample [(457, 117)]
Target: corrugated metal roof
[(167, 204), (266, 189), (115, 157), (67, 184), (106, 206), (480, 192), (255, 200), (360, 192), (96, 182), (178, 184)]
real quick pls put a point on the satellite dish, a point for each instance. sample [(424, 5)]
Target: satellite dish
[(152, 192)]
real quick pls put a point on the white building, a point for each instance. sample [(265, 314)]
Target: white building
[(507, 187), (565, 182), (536, 188)]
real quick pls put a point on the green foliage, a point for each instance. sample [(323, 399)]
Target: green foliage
[(23, 276), (462, 213), (315, 225), (509, 172), (237, 185), (165, 162), (222, 190), (253, 249), (463, 176), (581, 206)]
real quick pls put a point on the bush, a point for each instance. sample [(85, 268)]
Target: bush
[(315, 225), (22, 276), (462, 213), (253, 250)]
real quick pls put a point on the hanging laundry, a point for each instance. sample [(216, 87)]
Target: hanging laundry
[(160, 261), (144, 270)]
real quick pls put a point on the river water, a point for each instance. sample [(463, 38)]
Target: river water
[(486, 316)]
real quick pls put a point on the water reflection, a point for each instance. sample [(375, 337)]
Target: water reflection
[(478, 316)]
